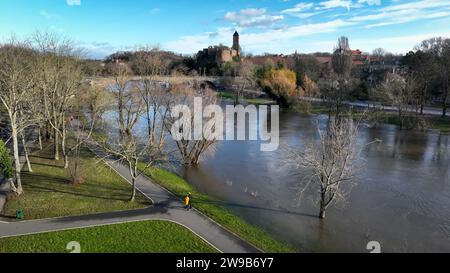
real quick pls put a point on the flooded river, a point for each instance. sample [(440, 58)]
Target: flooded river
[(402, 198)]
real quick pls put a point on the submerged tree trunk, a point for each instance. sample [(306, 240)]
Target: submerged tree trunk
[(445, 97), (400, 118), (322, 205), (444, 106)]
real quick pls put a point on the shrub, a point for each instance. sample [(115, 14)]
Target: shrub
[(281, 84), (6, 165)]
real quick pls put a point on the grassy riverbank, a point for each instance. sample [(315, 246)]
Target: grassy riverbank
[(434, 122), (255, 101), (136, 237), (214, 209), (49, 193), (218, 212)]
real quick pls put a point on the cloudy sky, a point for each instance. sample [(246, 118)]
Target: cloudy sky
[(273, 26)]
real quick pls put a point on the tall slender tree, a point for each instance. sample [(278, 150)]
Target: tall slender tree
[(16, 91)]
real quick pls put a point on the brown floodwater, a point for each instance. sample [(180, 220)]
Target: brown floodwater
[(401, 198)]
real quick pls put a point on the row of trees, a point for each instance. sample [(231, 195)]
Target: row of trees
[(149, 100), (41, 88), (162, 63), (429, 64), (45, 99)]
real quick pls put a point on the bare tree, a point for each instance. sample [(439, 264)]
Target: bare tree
[(190, 149), (97, 99), (148, 61), (244, 79), (155, 97), (423, 65), (25, 122), (81, 129), (60, 75), (402, 93), (38, 113), (440, 49), (379, 53), (127, 97), (16, 91), (139, 152), (336, 87), (331, 163)]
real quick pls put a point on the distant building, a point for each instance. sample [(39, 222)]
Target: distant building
[(275, 59), (359, 58), (325, 61), (222, 54)]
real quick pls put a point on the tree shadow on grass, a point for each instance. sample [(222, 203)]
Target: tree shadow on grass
[(51, 184), (121, 215), (39, 156), (42, 178), (47, 165), (73, 193)]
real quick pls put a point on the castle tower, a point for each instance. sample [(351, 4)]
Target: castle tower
[(236, 45)]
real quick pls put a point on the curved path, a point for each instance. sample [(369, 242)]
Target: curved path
[(166, 206)]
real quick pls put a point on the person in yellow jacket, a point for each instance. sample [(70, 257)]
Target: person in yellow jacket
[(188, 201)]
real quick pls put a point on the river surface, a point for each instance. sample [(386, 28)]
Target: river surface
[(401, 200)]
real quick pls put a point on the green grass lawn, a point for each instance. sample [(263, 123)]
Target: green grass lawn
[(257, 101), (435, 122), (48, 192), (441, 123), (261, 101), (213, 208), (136, 237), (226, 95)]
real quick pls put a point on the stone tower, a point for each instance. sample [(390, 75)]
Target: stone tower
[(236, 45)]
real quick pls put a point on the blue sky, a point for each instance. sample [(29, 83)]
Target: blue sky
[(274, 26)]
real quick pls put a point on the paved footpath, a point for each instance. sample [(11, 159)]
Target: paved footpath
[(166, 206)]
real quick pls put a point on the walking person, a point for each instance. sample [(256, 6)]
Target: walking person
[(188, 201)]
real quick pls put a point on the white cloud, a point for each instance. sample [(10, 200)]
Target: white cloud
[(256, 42), (370, 2), (73, 2), (299, 8), (285, 38), (244, 14), (396, 44), (332, 4), (403, 13), (410, 17), (423, 4), (252, 18)]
